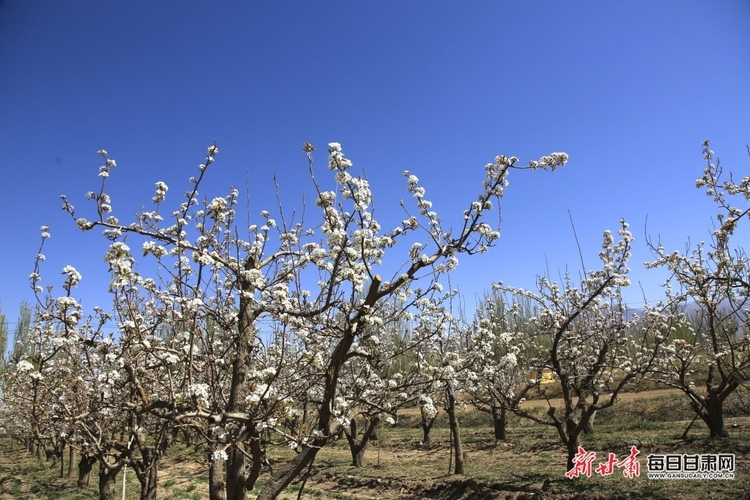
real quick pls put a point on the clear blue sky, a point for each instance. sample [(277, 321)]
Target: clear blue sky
[(628, 89)]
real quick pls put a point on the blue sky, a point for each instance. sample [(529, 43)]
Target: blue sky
[(628, 89)]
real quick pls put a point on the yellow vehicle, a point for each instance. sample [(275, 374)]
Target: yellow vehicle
[(546, 378)]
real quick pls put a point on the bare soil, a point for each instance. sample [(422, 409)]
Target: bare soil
[(530, 464)]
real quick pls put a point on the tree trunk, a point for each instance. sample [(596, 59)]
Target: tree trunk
[(107, 481), (54, 456), (713, 415), (84, 470), (286, 473), (588, 427), (244, 342), (235, 468), (458, 451), (356, 447), (216, 484), (572, 447), (499, 422), (711, 409), (588, 422), (258, 455), (71, 459), (427, 427), (572, 432), (148, 477), (187, 436)]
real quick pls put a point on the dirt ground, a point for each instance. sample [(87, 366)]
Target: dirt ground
[(530, 465)]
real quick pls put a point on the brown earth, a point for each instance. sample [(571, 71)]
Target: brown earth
[(531, 464)]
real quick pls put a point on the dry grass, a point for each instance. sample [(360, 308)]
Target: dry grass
[(529, 464)]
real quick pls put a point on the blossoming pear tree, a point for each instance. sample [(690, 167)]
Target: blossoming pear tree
[(69, 382), (190, 352), (713, 278), (387, 373), (492, 352), (582, 335)]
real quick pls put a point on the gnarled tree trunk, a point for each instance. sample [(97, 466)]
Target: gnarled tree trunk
[(235, 469), (84, 470), (499, 422), (358, 447), (427, 424), (713, 413), (258, 456), (149, 473), (108, 481)]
